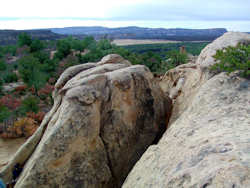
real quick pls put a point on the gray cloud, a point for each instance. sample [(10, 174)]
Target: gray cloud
[(184, 10)]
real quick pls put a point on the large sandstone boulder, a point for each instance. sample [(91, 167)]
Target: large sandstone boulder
[(105, 116), (207, 144), (183, 82)]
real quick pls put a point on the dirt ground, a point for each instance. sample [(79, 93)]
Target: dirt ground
[(125, 42), (8, 147)]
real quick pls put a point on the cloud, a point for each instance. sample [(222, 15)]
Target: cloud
[(232, 14), (130, 9), (62, 8), (35, 23), (185, 10)]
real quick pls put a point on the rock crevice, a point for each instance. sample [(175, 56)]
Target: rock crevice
[(206, 144)]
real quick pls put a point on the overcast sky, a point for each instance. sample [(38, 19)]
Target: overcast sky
[(28, 14)]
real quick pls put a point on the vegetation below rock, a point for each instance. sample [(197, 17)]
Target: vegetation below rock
[(33, 66)]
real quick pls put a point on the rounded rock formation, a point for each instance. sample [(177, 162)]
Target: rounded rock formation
[(207, 144), (104, 117)]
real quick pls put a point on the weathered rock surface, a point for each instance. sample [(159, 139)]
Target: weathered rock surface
[(208, 142), (181, 84), (104, 117)]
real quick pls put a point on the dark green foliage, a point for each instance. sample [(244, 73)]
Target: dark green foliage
[(30, 71), (36, 45), (87, 41), (232, 59), (42, 56), (150, 55), (49, 66), (76, 44), (97, 50), (10, 77), (30, 104), (1, 86), (151, 60), (175, 58), (24, 39), (63, 48), (4, 113), (104, 44), (10, 49), (7, 74), (2, 65), (193, 48)]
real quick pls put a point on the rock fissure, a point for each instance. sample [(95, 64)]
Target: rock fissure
[(208, 135), (113, 181)]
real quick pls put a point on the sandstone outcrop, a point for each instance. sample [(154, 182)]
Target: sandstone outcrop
[(183, 82), (205, 59), (207, 144), (104, 117)]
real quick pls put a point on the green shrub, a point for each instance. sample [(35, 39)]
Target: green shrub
[(173, 59), (36, 45), (10, 77), (24, 39), (30, 104), (232, 59), (4, 113), (2, 65), (49, 66), (41, 56), (1, 86), (176, 58), (63, 47), (9, 49), (31, 73)]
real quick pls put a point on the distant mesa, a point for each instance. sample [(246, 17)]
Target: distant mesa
[(144, 33), (10, 36)]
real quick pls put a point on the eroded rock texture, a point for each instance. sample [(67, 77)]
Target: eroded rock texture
[(208, 142), (105, 116)]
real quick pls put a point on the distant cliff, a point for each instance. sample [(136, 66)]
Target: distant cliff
[(10, 36), (144, 33)]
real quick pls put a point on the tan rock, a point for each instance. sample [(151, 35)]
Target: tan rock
[(104, 118), (113, 58), (207, 144), (181, 84)]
